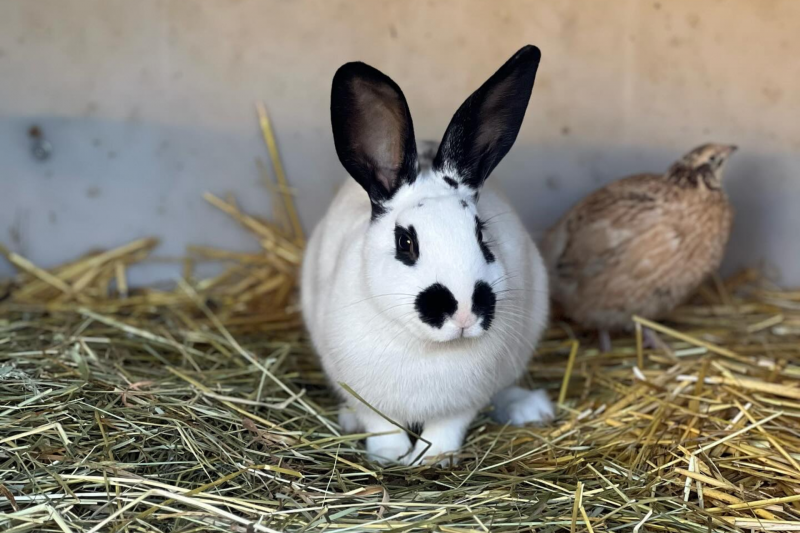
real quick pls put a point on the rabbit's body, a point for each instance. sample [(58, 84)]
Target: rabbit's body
[(422, 292), (411, 379)]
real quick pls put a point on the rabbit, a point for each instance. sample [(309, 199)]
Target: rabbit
[(421, 290)]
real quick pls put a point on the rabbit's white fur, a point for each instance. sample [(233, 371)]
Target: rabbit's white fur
[(358, 313), (415, 357)]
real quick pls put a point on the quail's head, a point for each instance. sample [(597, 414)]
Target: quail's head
[(713, 155), (705, 164)]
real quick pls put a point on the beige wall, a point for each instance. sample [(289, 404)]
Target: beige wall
[(149, 103)]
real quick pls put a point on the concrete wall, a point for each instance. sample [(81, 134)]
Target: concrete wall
[(148, 104)]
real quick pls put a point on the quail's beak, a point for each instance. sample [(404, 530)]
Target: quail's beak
[(723, 153)]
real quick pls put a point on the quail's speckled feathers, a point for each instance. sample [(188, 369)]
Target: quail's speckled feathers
[(642, 244)]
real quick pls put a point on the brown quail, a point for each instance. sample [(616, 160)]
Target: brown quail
[(642, 244)]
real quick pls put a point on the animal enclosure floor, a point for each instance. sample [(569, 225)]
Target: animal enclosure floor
[(203, 409)]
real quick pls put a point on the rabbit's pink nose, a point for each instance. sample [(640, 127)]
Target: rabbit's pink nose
[(465, 319)]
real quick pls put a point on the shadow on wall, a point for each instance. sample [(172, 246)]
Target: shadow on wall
[(106, 183)]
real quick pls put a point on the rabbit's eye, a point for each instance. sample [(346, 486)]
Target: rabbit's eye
[(487, 253), (407, 247)]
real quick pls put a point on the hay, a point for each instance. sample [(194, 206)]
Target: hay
[(201, 408)]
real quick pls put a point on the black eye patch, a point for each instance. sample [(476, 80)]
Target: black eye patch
[(487, 253), (406, 245)]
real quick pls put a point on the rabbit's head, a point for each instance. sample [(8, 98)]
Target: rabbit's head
[(428, 256)]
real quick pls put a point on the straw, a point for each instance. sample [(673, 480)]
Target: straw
[(277, 165), (202, 407)]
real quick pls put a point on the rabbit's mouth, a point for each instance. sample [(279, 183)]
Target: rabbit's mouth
[(450, 319), (453, 334)]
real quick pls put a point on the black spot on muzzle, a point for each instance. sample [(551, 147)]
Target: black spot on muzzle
[(483, 303), (435, 304)]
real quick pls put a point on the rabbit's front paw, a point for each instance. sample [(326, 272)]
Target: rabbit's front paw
[(388, 449), (435, 455), (445, 435), (518, 406), (348, 421)]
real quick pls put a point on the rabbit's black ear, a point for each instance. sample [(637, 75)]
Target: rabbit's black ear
[(486, 125), (372, 130)]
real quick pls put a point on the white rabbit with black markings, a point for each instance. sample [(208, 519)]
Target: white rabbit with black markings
[(425, 294)]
